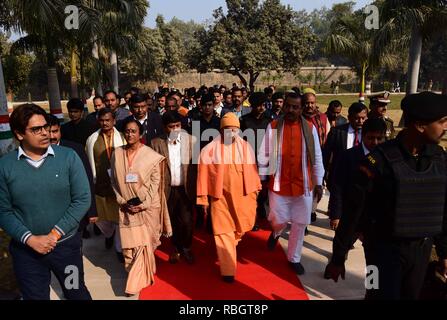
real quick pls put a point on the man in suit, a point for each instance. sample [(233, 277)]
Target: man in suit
[(238, 109), (180, 181), (373, 134), (56, 138), (342, 138), (151, 121), (257, 121)]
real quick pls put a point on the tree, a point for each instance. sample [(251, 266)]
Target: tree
[(173, 61), (418, 18), (434, 61), (252, 37), (350, 38), (122, 22)]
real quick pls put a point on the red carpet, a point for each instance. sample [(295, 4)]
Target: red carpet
[(261, 274)]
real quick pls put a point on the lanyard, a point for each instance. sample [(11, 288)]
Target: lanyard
[(109, 145), (130, 159)]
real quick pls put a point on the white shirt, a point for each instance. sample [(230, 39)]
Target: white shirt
[(142, 120), (365, 150), (351, 137), (35, 163), (175, 159), (218, 109)]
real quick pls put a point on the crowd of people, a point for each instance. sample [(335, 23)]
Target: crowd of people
[(164, 165)]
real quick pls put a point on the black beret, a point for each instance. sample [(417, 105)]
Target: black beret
[(425, 106)]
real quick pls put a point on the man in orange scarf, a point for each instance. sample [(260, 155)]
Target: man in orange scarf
[(228, 181)]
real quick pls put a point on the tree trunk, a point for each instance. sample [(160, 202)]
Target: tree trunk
[(414, 60), (83, 92), (363, 83), (54, 95), (253, 77), (114, 65), (74, 75), (6, 140), (98, 87)]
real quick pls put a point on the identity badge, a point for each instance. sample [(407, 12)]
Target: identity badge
[(131, 178)]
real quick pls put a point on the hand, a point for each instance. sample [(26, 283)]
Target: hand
[(42, 244), (334, 224), (333, 272), (136, 209), (318, 193), (443, 268), (92, 220)]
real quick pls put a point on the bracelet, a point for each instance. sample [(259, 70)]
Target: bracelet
[(56, 234)]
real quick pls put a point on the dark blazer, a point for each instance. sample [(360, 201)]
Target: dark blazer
[(81, 153), (342, 176), (153, 126), (189, 169), (336, 143), (244, 111), (92, 120), (78, 133)]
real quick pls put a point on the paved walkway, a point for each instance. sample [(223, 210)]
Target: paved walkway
[(106, 279)]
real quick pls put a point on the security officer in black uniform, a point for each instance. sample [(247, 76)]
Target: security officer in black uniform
[(398, 203), (378, 106)]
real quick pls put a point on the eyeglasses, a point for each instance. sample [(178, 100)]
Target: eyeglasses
[(129, 131), (38, 130)]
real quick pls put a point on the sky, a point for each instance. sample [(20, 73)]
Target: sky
[(201, 10)]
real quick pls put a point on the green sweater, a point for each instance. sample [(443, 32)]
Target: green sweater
[(35, 200)]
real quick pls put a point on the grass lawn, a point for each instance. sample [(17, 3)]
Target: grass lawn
[(347, 100)]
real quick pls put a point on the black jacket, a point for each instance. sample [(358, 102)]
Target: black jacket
[(81, 153), (77, 132), (153, 126), (336, 143), (343, 175), (371, 198)]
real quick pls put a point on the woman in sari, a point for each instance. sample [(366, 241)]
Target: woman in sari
[(137, 171)]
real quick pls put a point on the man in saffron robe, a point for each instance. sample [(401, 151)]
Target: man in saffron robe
[(291, 155), (228, 175)]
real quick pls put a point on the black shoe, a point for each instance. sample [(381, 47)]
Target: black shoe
[(96, 230), (271, 242), (85, 234), (255, 228), (120, 257), (189, 257), (228, 279), (174, 257), (313, 217), (297, 267), (306, 232), (109, 242)]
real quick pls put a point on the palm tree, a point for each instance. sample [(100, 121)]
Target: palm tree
[(122, 22), (43, 21), (350, 39), (418, 18)]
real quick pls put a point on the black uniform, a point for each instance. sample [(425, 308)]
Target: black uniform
[(398, 230)]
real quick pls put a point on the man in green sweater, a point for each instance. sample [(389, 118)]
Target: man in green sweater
[(44, 194)]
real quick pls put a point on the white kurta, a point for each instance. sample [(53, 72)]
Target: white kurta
[(296, 210)]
